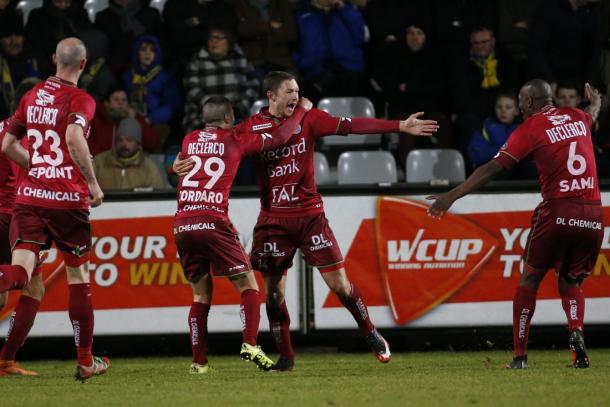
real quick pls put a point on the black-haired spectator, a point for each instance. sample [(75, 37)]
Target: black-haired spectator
[(476, 81), (97, 79), (564, 44), (219, 68), (108, 114), (123, 21), (332, 34), (386, 18), (153, 91), (54, 21), (188, 22), (514, 23), (265, 32), (17, 63)]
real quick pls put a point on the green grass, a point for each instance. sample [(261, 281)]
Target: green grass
[(411, 379)]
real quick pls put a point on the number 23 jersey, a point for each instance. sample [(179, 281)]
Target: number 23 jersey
[(53, 179), (559, 140)]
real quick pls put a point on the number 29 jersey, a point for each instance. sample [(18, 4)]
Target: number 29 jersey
[(216, 153), (559, 140), (44, 113)]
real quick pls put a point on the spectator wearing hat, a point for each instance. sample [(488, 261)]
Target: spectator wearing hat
[(219, 68), (16, 63), (125, 166), (415, 82)]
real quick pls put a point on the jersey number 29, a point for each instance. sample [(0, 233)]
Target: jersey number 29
[(213, 167)]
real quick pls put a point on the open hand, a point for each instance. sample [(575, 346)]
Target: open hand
[(440, 206), (417, 127), (592, 94)]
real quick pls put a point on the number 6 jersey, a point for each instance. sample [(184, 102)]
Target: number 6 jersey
[(559, 140), (53, 179)]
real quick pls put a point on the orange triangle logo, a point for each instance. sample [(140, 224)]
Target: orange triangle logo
[(422, 262)]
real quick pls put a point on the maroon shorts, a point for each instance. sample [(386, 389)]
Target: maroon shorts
[(565, 235), (5, 243), (276, 240), (70, 229), (205, 241)]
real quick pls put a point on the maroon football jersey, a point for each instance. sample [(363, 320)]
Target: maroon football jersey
[(217, 154), (286, 174), (53, 180), (559, 140)]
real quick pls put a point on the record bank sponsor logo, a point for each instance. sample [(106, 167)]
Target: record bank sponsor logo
[(422, 261)]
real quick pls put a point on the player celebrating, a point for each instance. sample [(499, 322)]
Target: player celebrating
[(52, 202), (204, 234), (292, 212), (567, 228)]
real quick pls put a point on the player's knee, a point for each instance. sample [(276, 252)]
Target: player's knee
[(341, 288), (35, 290), (275, 298)]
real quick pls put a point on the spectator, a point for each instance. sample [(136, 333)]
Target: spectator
[(568, 95), (331, 68), (564, 44), (54, 21), (266, 29), (153, 91), (123, 21), (97, 79), (125, 166), (219, 68), (486, 142), (477, 80), (16, 61), (414, 82), (386, 18), (108, 115), (188, 21)]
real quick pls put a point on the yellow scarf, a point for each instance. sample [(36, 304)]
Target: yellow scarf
[(490, 71), (139, 92)]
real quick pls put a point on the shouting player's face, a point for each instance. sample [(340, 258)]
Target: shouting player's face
[(285, 99)]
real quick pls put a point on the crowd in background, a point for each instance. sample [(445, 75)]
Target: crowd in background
[(460, 61)]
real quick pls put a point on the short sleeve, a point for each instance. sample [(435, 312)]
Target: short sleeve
[(516, 148), (82, 110)]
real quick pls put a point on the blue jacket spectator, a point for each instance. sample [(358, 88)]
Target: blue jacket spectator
[(153, 91), (320, 23), (485, 143)]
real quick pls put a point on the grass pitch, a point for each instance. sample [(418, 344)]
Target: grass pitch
[(411, 379)]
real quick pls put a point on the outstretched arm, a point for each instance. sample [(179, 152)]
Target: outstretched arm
[(15, 151), (477, 179), (329, 125)]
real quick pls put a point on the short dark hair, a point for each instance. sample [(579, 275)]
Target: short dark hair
[(215, 108), (509, 95), (274, 79), (113, 90), (568, 85)]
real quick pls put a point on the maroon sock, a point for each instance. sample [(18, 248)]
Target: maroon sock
[(356, 306), (250, 312), (279, 323), (524, 305), (80, 311), (20, 324), (573, 303), (12, 277), (198, 326)]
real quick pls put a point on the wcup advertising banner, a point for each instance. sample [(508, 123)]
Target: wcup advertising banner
[(137, 282), (461, 270)]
